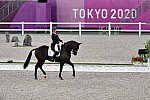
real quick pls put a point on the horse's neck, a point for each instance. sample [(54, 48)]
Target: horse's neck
[(67, 48)]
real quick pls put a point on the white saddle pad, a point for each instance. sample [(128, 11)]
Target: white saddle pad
[(50, 52)]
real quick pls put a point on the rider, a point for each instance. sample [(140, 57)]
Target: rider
[(55, 40)]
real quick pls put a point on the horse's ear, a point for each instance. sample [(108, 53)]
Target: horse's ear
[(79, 43)]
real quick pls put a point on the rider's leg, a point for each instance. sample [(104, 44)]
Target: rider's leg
[(54, 56), (53, 46), (58, 47), (53, 49)]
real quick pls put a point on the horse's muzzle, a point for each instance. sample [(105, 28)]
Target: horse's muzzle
[(74, 52)]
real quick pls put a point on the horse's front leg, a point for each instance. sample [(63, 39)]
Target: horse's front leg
[(61, 67), (70, 63)]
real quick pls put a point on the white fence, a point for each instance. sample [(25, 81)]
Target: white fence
[(79, 24)]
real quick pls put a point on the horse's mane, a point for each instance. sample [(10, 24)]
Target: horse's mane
[(68, 44), (72, 41)]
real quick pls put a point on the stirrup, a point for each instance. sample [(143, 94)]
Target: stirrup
[(53, 60)]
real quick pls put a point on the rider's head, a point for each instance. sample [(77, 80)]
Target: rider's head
[(54, 29)]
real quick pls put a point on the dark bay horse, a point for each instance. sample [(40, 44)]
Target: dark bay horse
[(41, 53)]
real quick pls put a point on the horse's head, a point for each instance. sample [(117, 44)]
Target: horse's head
[(71, 47), (75, 48)]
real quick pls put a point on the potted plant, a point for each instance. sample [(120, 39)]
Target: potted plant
[(147, 46)]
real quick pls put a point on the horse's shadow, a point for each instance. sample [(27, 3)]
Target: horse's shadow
[(41, 53)]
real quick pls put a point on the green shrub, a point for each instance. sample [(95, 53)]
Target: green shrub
[(147, 45)]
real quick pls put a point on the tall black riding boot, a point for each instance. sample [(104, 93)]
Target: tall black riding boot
[(54, 56)]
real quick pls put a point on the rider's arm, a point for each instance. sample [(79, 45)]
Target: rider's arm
[(59, 39)]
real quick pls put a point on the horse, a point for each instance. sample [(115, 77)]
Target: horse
[(41, 53)]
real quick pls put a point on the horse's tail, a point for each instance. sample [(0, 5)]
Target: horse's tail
[(28, 59)]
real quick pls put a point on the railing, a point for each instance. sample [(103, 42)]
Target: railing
[(141, 9), (79, 29), (9, 8)]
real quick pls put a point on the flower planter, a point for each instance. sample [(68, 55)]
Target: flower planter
[(137, 60), (137, 63)]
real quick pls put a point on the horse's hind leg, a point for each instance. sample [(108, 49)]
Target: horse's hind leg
[(43, 71), (70, 63), (61, 67), (36, 67), (39, 64)]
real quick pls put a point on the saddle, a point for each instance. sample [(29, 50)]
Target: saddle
[(57, 49)]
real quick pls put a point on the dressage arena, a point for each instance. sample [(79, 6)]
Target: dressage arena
[(117, 80)]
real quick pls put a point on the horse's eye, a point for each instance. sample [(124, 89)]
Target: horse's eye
[(76, 48)]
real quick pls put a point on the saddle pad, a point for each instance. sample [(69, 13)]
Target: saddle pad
[(50, 52)]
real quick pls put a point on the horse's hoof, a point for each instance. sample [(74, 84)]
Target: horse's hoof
[(45, 77), (36, 78), (73, 75), (61, 78)]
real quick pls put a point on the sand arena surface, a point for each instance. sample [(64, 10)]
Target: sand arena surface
[(94, 48), (20, 85)]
